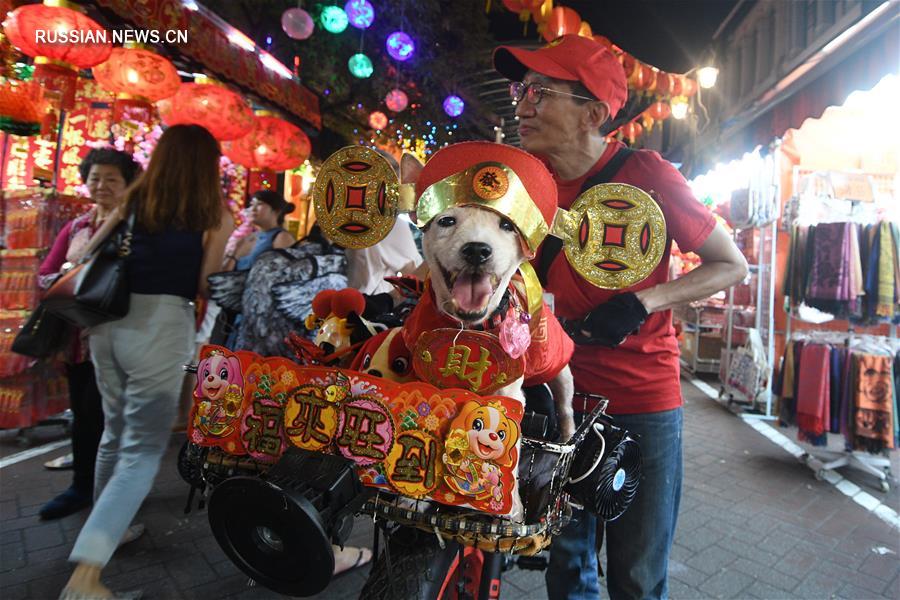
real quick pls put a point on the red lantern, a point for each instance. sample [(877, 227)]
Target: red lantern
[(629, 63), (37, 30), (541, 13), (378, 120), (515, 6), (584, 30), (663, 86), (677, 85), (222, 112), (632, 131), (563, 20), (139, 77), (642, 77), (659, 110), (273, 144), (688, 86)]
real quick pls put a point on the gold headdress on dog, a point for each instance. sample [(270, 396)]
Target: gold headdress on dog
[(614, 235)]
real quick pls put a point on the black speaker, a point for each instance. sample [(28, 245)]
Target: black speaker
[(279, 530), (606, 470)]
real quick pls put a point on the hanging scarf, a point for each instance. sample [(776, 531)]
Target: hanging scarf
[(829, 276), (874, 403), (813, 393), (885, 306)]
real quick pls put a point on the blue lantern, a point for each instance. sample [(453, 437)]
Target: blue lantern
[(360, 66), (454, 106), (334, 19), (400, 46), (360, 13)]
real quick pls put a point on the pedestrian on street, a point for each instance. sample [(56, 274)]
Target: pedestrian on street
[(627, 351), (106, 173), (181, 228)]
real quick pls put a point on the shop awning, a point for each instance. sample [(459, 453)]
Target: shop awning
[(208, 45), (860, 70)]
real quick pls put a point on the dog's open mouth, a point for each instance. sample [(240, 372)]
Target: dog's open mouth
[(470, 291)]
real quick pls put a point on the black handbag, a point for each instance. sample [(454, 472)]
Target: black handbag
[(96, 290), (42, 336)]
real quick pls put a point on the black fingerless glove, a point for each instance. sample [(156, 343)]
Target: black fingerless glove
[(610, 323)]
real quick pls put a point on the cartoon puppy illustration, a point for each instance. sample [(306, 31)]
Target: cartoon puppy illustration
[(219, 389)]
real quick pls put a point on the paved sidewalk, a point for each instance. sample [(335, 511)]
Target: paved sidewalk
[(754, 524)]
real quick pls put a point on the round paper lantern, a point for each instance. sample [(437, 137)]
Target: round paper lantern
[(334, 19), (632, 131), (584, 30), (663, 84), (360, 13), (541, 13), (659, 110), (378, 120), (563, 20), (297, 23), (454, 106), (138, 73), (396, 100), (360, 66), (56, 61), (400, 46), (222, 112), (56, 24), (272, 144), (642, 77), (676, 86)]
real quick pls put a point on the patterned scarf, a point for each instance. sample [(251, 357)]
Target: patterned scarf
[(885, 307), (874, 402)]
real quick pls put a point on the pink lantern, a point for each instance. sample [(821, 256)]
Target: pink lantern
[(378, 120), (396, 100), (297, 23)]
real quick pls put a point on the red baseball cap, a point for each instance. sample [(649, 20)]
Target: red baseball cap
[(570, 58)]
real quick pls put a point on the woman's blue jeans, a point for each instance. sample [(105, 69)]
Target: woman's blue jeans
[(637, 543)]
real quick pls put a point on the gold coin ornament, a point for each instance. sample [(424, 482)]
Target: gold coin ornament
[(355, 197), (614, 235)]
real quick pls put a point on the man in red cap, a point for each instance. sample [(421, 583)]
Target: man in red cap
[(628, 352)]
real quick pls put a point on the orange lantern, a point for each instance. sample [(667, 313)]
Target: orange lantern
[(677, 85), (659, 110), (222, 112), (663, 85), (42, 32), (563, 20), (378, 120), (273, 144), (584, 30), (647, 120), (138, 77), (632, 131), (688, 86), (642, 77), (541, 13)]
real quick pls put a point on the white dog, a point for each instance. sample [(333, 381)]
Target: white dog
[(472, 254)]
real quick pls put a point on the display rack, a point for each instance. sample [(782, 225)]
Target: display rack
[(701, 343)]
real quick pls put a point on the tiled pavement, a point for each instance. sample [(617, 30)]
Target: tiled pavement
[(754, 523)]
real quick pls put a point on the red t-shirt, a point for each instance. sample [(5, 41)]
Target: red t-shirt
[(642, 374)]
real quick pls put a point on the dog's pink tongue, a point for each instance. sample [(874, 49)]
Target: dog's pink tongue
[(472, 291)]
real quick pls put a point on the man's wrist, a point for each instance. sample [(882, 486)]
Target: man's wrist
[(645, 297)]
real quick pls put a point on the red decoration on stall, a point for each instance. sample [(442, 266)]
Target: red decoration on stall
[(663, 85), (222, 112), (643, 77), (273, 144), (677, 86), (563, 20), (632, 131)]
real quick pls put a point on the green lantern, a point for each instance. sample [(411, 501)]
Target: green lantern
[(334, 19), (360, 65)]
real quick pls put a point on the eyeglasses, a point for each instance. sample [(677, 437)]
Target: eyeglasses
[(534, 92)]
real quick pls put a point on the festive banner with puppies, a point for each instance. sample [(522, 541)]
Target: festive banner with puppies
[(450, 446)]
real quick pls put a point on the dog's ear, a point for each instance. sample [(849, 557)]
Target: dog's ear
[(410, 168)]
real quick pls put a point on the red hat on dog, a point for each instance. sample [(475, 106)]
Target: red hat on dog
[(496, 176), (570, 58)]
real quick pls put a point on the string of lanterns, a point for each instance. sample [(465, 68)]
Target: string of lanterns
[(140, 78)]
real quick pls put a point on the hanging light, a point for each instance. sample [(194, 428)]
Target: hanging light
[(707, 76), (454, 106), (360, 13), (334, 19), (679, 106), (213, 106), (272, 144), (360, 66), (396, 100), (378, 120), (297, 23), (400, 46), (138, 77)]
